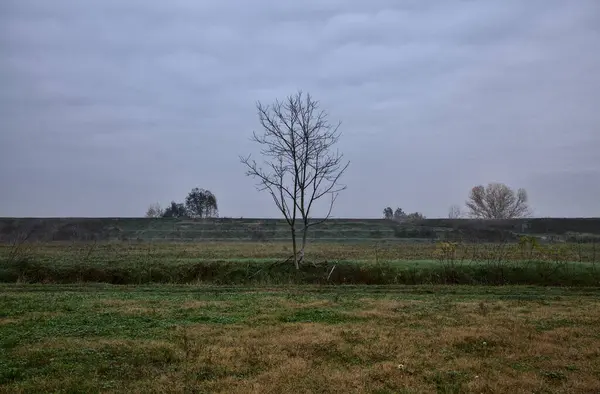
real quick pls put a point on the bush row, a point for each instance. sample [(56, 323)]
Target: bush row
[(234, 273)]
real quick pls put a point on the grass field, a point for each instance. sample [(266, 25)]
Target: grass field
[(117, 313), (371, 251), (329, 263), (300, 339), (333, 230)]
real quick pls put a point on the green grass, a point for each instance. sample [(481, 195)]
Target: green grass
[(259, 263), (339, 230), (173, 338), (255, 271)]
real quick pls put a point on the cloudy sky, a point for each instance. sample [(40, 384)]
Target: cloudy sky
[(108, 106)]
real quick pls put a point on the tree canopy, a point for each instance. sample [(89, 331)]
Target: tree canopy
[(497, 201), (201, 203), (300, 165)]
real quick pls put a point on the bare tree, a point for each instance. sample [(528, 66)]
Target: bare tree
[(497, 201), (154, 211), (300, 165), (454, 212)]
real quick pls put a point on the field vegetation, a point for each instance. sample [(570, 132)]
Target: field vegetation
[(577, 230), (109, 308), (525, 262), (307, 339)]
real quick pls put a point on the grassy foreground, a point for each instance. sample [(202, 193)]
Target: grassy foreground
[(372, 339)]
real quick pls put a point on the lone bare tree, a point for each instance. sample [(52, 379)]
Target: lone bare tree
[(300, 165), (454, 212), (497, 201)]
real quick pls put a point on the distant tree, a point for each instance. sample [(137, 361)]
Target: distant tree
[(388, 213), (154, 211), (415, 216), (454, 212), (175, 210), (497, 201), (301, 165), (201, 203), (399, 214)]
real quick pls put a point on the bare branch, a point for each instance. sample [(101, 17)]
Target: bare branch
[(497, 201), (333, 198), (454, 212), (300, 164)]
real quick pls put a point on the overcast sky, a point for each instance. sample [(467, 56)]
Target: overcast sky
[(108, 106)]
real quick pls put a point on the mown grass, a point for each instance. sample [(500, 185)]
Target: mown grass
[(299, 339), (242, 263), (270, 251)]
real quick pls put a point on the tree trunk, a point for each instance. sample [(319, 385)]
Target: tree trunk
[(304, 234), (294, 248)]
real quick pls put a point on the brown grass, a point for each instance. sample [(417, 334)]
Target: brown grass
[(201, 304), (411, 346), (356, 358), (128, 307), (7, 320), (368, 251), (389, 354)]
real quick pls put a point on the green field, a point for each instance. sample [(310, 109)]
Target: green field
[(299, 339), (179, 306), (333, 230), (235, 263)]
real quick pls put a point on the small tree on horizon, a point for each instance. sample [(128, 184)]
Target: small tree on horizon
[(154, 211), (498, 201), (175, 210), (300, 166), (454, 212), (399, 214), (415, 216), (201, 203), (388, 213)]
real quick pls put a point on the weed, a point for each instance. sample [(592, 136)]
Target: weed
[(483, 308), (480, 346), (316, 316), (552, 324), (449, 382), (553, 375)]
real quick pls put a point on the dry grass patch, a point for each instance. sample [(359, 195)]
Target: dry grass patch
[(385, 308), (202, 304), (129, 307), (355, 343), (295, 357), (97, 343), (7, 320), (313, 357), (291, 304), (37, 315)]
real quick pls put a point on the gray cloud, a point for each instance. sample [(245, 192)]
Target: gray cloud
[(108, 107)]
